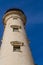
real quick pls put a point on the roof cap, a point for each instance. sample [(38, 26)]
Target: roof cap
[(15, 11)]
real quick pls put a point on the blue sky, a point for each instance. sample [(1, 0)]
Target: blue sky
[(33, 10)]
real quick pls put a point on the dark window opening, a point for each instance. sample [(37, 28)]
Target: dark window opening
[(16, 48), (17, 45), (15, 27)]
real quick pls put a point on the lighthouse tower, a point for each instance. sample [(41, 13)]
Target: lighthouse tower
[(14, 48)]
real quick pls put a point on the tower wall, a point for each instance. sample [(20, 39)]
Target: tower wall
[(15, 49)]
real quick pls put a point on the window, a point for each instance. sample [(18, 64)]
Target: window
[(16, 45), (16, 48), (15, 27)]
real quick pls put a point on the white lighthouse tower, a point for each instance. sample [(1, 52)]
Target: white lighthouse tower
[(14, 48)]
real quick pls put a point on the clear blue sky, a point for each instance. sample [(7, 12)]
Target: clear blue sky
[(33, 9)]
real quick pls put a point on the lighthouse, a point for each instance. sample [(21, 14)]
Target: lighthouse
[(15, 45)]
